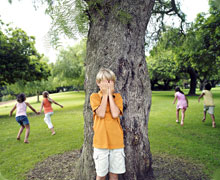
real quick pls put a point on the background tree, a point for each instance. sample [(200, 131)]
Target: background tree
[(196, 52), (31, 88), (162, 69), (69, 67), (162, 64), (200, 50), (161, 61), (19, 60)]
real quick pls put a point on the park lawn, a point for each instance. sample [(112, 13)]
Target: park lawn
[(196, 141), (17, 158)]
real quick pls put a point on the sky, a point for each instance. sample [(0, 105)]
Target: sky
[(22, 14)]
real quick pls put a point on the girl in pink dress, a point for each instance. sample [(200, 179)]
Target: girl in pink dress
[(181, 104), (21, 115)]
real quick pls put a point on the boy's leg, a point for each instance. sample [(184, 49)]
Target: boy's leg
[(27, 132), (204, 113), (183, 116), (20, 131), (204, 116), (177, 115), (101, 159), (100, 178), (117, 163), (113, 176), (211, 112), (213, 120)]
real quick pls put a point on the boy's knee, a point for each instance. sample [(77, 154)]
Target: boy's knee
[(100, 177), (113, 176)]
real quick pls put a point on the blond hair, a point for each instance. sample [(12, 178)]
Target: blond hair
[(45, 94), (105, 74)]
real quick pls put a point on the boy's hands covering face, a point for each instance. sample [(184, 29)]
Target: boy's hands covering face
[(107, 87), (111, 87), (103, 85)]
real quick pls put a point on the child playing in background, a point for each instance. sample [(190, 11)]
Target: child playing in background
[(21, 116), (181, 104), (208, 103), (48, 110), (108, 142)]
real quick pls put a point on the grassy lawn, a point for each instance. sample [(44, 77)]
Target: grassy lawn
[(16, 158), (195, 141)]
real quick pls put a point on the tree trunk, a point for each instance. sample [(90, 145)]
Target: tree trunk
[(116, 40), (38, 97), (214, 82), (202, 84), (166, 84), (193, 81)]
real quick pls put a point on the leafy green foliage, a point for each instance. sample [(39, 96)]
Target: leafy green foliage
[(196, 53), (19, 60), (69, 18), (161, 62), (162, 68), (201, 46), (215, 2), (69, 67)]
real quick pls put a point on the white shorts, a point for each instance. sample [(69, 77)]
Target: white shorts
[(210, 109), (109, 160), (47, 120)]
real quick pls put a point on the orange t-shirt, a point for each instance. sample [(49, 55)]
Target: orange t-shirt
[(108, 133), (47, 106)]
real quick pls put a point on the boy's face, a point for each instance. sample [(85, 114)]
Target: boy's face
[(105, 82)]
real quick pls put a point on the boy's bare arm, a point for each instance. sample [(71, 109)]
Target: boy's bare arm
[(11, 112), (113, 107), (101, 110), (201, 96), (31, 107)]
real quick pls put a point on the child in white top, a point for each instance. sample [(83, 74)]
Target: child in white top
[(21, 116), (208, 104)]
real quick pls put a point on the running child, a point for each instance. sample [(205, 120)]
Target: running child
[(181, 104), (48, 110), (21, 116), (208, 103)]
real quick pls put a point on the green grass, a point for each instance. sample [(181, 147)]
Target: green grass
[(196, 141), (16, 158)]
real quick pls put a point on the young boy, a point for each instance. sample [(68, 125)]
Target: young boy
[(208, 103), (108, 142)]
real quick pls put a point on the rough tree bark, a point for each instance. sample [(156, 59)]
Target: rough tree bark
[(193, 81), (116, 40)]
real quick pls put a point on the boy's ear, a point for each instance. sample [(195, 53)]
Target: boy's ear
[(97, 83)]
